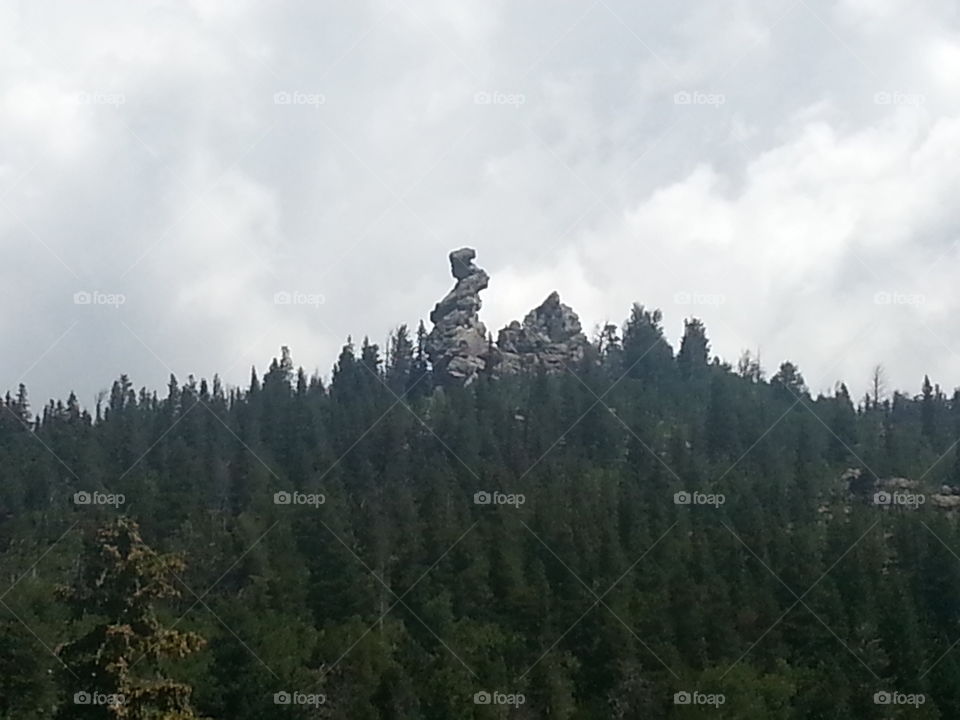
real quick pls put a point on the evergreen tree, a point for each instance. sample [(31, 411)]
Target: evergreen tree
[(419, 385), (842, 425), (928, 410), (392, 574), (646, 352), (120, 580), (400, 360), (790, 383), (694, 348)]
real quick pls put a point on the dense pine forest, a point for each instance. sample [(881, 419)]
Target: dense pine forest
[(649, 533)]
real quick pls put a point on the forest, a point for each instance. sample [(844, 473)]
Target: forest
[(650, 533)]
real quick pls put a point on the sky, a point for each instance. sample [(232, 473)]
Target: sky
[(187, 186)]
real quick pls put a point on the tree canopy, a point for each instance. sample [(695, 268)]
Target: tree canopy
[(644, 534)]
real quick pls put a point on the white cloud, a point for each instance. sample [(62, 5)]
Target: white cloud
[(820, 226)]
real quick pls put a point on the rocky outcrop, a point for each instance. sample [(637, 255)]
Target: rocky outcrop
[(550, 337), (457, 346), (945, 502), (947, 499)]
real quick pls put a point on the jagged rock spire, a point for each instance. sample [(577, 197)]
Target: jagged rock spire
[(457, 345), (550, 337)]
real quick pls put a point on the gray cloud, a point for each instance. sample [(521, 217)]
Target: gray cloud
[(783, 170)]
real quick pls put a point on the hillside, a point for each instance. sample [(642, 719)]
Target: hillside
[(619, 531)]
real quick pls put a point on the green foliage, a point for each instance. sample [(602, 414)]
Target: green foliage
[(398, 596), (120, 579)]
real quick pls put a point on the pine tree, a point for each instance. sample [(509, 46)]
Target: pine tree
[(21, 406), (749, 367), (646, 353), (400, 360), (843, 426), (25, 692), (928, 410), (694, 348), (954, 476), (790, 382), (610, 349), (120, 580), (420, 385)]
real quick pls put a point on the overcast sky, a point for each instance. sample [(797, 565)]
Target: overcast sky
[(787, 171)]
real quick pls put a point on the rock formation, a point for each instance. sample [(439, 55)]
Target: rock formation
[(945, 502), (457, 345), (549, 337)]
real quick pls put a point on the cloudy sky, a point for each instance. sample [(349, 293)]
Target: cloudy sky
[(787, 170)]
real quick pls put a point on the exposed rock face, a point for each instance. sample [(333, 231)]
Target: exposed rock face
[(947, 502), (851, 474), (947, 499), (550, 337), (898, 483), (457, 345), (461, 264)]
